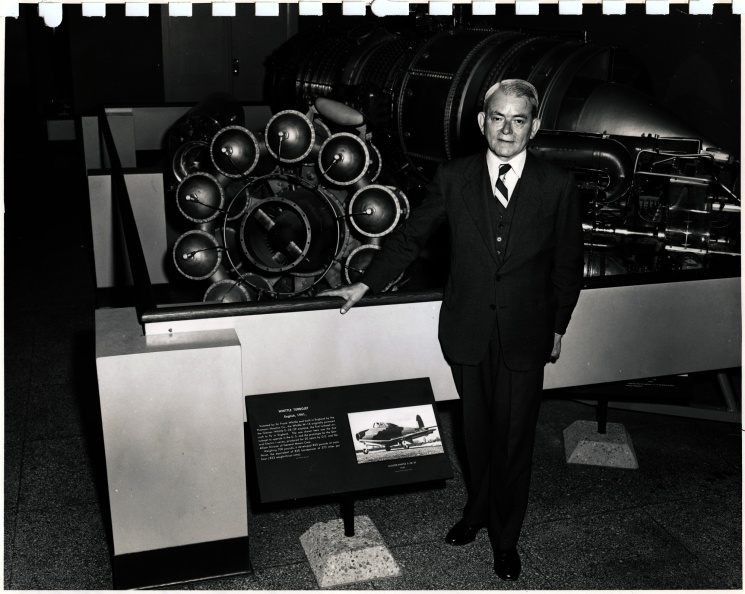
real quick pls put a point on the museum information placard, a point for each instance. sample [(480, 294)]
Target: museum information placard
[(344, 439)]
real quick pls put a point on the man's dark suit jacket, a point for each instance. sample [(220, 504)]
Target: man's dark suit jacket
[(530, 290)]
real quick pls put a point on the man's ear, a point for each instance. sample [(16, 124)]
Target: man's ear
[(534, 127), (482, 119)]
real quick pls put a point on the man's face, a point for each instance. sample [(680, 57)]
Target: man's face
[(508, 124)]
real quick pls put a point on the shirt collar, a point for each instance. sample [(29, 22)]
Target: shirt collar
[(517, 163)]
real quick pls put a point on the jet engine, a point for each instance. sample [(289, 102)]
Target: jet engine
[(282, 211), (306, 202), (656, 193)]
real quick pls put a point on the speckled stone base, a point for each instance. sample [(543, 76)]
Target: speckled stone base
[(337, 559), (584, 445)]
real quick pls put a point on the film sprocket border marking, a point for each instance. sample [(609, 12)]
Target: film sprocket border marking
[(51, 11)]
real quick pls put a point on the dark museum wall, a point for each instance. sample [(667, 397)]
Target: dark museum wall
[(85, 61), (133, 60), (117, 63)]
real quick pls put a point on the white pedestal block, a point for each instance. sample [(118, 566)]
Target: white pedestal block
[(337, 559), (172, 416), (584, 445)]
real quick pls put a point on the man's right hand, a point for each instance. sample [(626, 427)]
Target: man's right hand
[(352, 293)]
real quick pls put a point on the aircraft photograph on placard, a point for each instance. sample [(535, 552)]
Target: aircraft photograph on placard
[(389, 434)]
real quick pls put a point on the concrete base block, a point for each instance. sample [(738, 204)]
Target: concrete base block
[(337, 559), (584, 445)]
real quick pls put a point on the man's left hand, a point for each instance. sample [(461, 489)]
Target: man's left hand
[(556, 352)]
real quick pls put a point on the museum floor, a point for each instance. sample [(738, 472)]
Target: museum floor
[(675, 523)]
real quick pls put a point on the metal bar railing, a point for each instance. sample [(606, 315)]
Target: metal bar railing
[(143, 289), (173, 313), (224, 310)]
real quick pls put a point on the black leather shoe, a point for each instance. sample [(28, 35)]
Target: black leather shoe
[(507, 564), (462, 533)]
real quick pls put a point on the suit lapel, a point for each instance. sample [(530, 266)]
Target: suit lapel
[(476, 192), (528, 199)]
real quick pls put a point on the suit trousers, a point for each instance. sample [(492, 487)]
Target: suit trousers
[(500, 414)]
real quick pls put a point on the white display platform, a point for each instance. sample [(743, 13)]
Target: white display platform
[(171, 410), (616, 334)]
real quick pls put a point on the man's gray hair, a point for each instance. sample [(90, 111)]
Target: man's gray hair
[(517, 88)]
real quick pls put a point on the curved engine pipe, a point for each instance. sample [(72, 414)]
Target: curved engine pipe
[(585, 151)]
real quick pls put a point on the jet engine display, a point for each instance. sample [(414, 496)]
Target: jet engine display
[(361, 122), (281, 211), (657, 195)]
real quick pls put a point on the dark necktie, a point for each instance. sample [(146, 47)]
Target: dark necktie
[(501, 188)]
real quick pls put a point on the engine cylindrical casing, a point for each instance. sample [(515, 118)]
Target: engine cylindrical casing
[(426, 96)]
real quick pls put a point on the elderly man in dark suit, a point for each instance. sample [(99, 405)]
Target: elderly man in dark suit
[(515, 276)]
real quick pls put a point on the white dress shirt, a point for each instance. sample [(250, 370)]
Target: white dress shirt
[(510, 179)]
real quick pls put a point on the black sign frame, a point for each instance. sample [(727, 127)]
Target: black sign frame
[(304, 442)]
